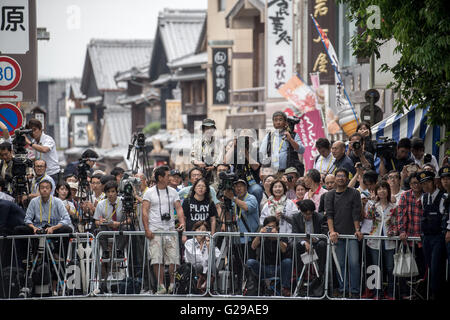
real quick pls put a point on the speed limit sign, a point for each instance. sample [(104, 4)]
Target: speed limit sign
[(10, 73)]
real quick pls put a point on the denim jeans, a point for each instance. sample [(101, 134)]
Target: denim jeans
[(434, 252), (385, 262), (268, 271), (256, 190), (348, 249)]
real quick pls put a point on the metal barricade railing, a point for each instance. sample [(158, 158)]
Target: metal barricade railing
[(45, 265), (137, 266), (364, 269), (273, 270)]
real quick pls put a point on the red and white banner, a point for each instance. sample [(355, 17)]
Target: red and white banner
[(299, 94), (310, 128)]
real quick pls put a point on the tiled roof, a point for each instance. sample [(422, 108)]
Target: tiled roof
[(191, 60), (108, 57), (118, 121), (180, 30)]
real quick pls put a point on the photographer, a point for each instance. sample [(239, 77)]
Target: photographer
[(110, 217), (45, 148), (324, 161), (282, 145), (272, 252), (40, 167), (206, 153), (290, 178), (239, 154), (89, 156), (357, 153), (419, 156), (6, 165), (46, 213), (244, 207), (398, 160)]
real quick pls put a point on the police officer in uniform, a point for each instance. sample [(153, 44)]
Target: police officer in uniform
[(433, 226)]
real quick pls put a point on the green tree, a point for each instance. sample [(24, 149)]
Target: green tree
[(152, 128), (421, 29)]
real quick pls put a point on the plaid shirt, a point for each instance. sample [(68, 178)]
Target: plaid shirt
[(409, 214)]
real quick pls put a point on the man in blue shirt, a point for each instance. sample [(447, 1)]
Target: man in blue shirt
[(280, 142), (47, 212)]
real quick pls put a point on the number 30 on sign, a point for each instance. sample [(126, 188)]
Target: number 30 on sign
[(10, 73)]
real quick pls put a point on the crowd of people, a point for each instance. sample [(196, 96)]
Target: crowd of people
[(344, 194)]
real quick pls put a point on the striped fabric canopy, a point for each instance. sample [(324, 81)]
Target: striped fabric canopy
[(412, 123)]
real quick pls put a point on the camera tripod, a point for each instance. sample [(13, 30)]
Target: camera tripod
[(140, 155), (43, 256), (230, 249), (85, 222)]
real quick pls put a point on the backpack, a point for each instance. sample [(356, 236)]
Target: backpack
[(251, 283), (185, 282)]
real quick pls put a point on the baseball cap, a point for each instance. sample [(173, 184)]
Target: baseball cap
[(240, 180), (426, 176), (291, 170), (174, 172), (208, 123)]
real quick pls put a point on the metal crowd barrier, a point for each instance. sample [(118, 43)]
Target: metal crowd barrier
[(74, 266), (372, 275), (128, 269), (48, 265), (244, 272)]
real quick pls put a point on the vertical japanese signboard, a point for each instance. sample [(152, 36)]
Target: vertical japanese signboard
[(80, 133), (221, 76), (279, 37), (18, 42), (324, 12)]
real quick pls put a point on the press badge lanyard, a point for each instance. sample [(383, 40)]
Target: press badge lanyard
[(328, 167), (240, 209), (49, 210), (159, 198)]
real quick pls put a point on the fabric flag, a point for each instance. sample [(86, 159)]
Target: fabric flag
[(299, 94), (348, 119), (315, 80), (309, 129)]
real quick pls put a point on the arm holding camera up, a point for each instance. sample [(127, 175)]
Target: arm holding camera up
[(240, 203), (37, 147)]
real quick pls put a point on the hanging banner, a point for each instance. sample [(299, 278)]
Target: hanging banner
[(310, 128), (279, 38), (299, 94), (221, 76), (174, 119)]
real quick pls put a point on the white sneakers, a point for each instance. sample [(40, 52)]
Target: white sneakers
[(162, 289)]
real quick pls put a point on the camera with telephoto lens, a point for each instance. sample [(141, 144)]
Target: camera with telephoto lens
[(43, 229), (83, 169), (356, 145), (427, 158), (386, 148), (127, 191), (20, 162)]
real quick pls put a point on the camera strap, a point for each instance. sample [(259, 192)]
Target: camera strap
[(49, 210), (159, 198)]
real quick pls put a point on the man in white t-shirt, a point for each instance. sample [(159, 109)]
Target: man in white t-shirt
[(158, 207), (44, 148)]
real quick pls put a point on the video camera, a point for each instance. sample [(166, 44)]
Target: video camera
[(386, 148), (127, 191), (20, 162), (226, 180), (83, 169)]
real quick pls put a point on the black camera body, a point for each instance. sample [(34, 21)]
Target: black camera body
[(427, 158), (227, 180), (386, 148), (165, 216), (292, 122), (356, 145)]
